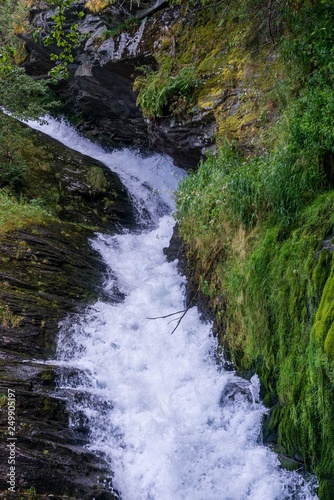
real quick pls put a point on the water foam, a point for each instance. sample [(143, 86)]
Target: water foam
[(157, 410)]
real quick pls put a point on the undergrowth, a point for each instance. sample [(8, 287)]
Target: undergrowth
[(259, 231), (161, 93), (15, 213)]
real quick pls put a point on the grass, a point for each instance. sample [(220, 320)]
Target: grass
[(8, 319), (277, 280), (16, 214)]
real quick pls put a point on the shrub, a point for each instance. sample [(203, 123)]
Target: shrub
[(158, 90)]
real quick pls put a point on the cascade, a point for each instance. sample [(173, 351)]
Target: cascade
[(173, 423)]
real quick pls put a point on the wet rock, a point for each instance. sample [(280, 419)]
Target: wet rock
[(77, 188), (47, 272), (184, 140), (286, 461), (100, 92), (235, 390), (50, 271)]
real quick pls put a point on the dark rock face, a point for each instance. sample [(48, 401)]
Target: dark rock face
[(192, 138), (78, 188), (100, 91), (236, 390), (49, 271)]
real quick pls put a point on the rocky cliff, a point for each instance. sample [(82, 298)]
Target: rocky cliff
[(116, 42), (49, 271)]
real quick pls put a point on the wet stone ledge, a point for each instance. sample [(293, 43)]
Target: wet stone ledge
[(48, 272)]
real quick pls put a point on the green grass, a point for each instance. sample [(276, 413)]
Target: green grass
[(164, 92), (16, 214), (277, 280), (8, 319)]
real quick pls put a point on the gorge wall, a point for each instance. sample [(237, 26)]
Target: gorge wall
[(118, 41), (49, 271)]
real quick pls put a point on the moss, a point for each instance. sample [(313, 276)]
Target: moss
[(8, 319), (320, 271), (97, 179), (96, 6), (15, 214), (324, 322), (329, 341), (278, 284), (232, 79)]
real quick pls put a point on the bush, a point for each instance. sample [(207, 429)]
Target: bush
[(15, 214), (158, 90)]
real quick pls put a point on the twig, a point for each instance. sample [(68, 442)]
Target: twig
[(168, 315), (180, 319), (260, 47), (184, 311)]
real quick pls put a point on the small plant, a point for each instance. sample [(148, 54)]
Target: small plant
[(128, 25), (31, 492), (15, 213), (8, 319), (66, 39), (159, 93)]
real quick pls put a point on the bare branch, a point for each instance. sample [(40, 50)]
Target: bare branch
[(180, 319), (168, 315)]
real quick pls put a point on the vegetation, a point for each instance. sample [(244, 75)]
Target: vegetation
[(24, 98), (163, 93), (15, 213), (257, 217), (259, 228)]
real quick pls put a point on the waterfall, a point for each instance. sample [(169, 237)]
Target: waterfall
[(171, 421)]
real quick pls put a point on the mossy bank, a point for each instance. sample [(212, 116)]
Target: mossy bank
[(257, 221)]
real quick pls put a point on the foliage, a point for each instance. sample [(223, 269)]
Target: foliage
[(309, 45), (7, 318), (259, 235), (22, 96), (157, 92), (19, 93), (13, 19), (129, 24), (249, 191), (15, 213), (282, 281), (64, 36)]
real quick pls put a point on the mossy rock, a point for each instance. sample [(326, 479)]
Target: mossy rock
[(75, 187), (324, 322), (48, 271)]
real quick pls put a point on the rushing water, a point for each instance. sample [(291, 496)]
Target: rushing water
[(165, 413)]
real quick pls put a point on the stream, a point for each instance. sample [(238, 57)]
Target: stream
[(170, 420)]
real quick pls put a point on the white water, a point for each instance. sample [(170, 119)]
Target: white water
[(154, 399)]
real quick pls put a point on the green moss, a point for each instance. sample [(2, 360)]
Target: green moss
[(97, 179), (15, 214), (3, 401), (8, 319), (320, 271), (324, 322)]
